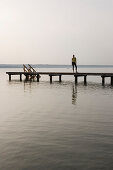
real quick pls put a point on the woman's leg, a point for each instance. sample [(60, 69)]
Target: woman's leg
[(73, 67), (76, 67)]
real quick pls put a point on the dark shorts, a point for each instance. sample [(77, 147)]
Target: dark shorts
[(73, 64)]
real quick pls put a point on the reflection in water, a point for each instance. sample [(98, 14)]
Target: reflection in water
[(74, 94), (28, 83)]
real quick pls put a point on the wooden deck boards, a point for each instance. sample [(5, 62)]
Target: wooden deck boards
[(59, 74), (62, 73)]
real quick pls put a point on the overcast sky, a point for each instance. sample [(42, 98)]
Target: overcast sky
[(51, 31)]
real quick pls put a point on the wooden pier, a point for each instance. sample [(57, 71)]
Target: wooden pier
[(60, 74)]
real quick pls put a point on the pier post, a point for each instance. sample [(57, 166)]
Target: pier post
[(111, 80), (38, 77), (76, 79), (9, 77), (85, 81), (103, 80), (20, 77), (60, 78), (27, 77), (50, 78)]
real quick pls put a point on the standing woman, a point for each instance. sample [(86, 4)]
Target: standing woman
[(74, 63)]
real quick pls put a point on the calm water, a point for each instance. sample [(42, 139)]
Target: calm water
[(58, 126)]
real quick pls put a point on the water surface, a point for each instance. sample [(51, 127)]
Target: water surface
[(58, 126)]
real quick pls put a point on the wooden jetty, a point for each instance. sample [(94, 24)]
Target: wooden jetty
[(60, 74)]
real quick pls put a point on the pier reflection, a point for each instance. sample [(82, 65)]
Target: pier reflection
[(74, 94)]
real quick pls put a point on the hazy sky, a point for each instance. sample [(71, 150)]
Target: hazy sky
[(51, 31)]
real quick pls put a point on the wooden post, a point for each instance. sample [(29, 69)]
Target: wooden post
[(38, 77), (27, 77), (50, 78), (60, 78), (9, 77), (103, 80), (85, 81), (111, 80), (76, 79), (20, 77)]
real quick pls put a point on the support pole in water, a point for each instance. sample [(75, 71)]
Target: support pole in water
[(9, 77), (27, 77), (50, 78), (20, 77), (85, 81), (38, 77), (76, 79), (103, 80), (111, 80), (60, 78)]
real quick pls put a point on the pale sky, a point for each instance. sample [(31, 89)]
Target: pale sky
[(51, 31)]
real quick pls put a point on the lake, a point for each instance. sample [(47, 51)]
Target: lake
[(58, 126)]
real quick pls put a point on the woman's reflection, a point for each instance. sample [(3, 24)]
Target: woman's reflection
[(74, 94)]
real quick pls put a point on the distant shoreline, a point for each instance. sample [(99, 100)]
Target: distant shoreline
[(53, 66)]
